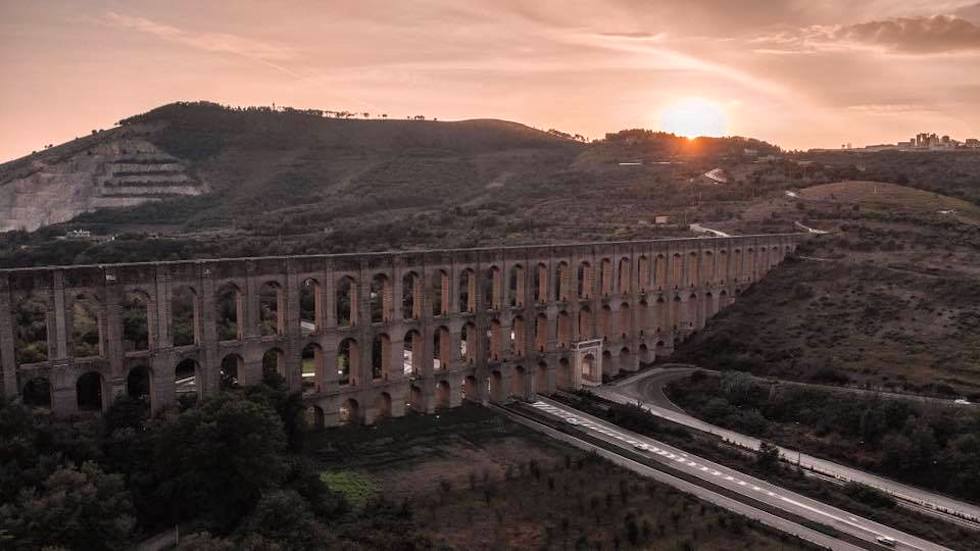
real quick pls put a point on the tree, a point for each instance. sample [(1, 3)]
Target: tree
[(77, 508), (284, 517), (768, 456), (216, 460)]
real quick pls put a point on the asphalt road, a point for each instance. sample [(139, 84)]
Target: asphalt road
[(647, 389), (739, 483)]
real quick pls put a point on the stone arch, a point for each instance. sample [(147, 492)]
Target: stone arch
[(675, 312), (708, 272), (272, 313), (381, 298), (273, 363), (411, 296), (440, 293), (139, 385), (646, 355), (590, 368), (605, 277), (380, 357), (564, 329), (230, 372), (607, 364), (663, 314), (540, 379), (493, 288), (90, 392), (585, 280), (624, 275), (444, 392), (585, 323), (693, 269), (349, 412), (471, 389), (467, 343), (693, 311), (229, 312), (626, 359), (642, 320), (348, 362), (677, 270), (564, 287), (184, 316), (312, 368), (605, 322), (516, 282), (722, 268), (382, 407), (660, 348), (187, 380), (310, 308), (565, 379), (625, 320), (315, 417), (467, 291), (416, 399), (136, 321), (495, 386), (346, 301), (710, 305), (442, 347), (31, 329), (518, 336), (643, 273), (86, 326), (541, 283), (518, 382), (541, 332), (496, 340), (412, 354), (660, 271), (37, 393)]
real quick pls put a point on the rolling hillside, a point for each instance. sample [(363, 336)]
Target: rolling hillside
[(287, 181)]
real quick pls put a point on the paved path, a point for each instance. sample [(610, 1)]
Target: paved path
[(635, 390)]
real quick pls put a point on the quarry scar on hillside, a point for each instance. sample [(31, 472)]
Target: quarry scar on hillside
[(365, 336)]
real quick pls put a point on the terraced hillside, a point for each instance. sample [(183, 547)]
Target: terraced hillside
[(118, 168)]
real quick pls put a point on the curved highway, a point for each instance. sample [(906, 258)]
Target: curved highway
[(857, 529), (647, 389)]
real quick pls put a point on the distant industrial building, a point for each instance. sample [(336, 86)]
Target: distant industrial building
[(923, 141)]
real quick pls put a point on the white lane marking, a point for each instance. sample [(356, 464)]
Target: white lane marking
[(849, 521)]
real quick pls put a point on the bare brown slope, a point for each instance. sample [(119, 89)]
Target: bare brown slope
[(889, 298)]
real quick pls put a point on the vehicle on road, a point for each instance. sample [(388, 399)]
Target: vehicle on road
[(886, 541)]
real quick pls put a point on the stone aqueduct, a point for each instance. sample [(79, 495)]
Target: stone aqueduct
[(367, 336)]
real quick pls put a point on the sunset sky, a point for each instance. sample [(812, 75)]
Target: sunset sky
[(799, 73)]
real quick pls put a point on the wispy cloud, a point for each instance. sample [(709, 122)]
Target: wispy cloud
[(937, 34), (271, 55)]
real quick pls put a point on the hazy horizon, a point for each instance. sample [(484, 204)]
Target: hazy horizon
[(793, 73)]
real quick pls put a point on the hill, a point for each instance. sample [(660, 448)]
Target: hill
[(889, 298), (288, 181)]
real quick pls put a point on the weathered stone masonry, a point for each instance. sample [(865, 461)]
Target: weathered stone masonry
[(482, 324)]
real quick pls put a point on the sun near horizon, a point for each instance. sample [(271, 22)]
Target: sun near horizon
[(693, 117)]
